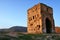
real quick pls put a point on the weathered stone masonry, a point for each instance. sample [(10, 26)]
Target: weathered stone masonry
[(40, 19)]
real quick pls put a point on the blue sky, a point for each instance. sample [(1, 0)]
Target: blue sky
[(14, 12)]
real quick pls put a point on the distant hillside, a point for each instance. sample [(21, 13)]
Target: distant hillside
[(18, 29), (4, 30), (15, 29)]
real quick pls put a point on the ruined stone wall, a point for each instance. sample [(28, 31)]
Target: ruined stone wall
[(47, 12), (37, 16), (34, 20)]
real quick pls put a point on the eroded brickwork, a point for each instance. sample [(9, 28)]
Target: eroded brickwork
[(40, 19)]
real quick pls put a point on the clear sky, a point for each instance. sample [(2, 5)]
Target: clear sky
[(14, 12)]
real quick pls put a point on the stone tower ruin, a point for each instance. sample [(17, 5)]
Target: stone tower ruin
[(40, 19)]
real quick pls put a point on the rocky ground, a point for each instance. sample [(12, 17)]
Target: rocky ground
[(40, 37), (32, 37)]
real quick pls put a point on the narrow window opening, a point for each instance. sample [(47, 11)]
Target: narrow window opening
[(33, 17), (38, 27)]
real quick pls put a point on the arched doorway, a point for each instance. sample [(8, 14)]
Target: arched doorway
[(48, 26)]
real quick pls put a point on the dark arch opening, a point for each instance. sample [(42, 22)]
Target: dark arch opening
[(48, 26)]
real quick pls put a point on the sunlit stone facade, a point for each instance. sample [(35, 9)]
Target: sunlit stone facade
[(40, 19)]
